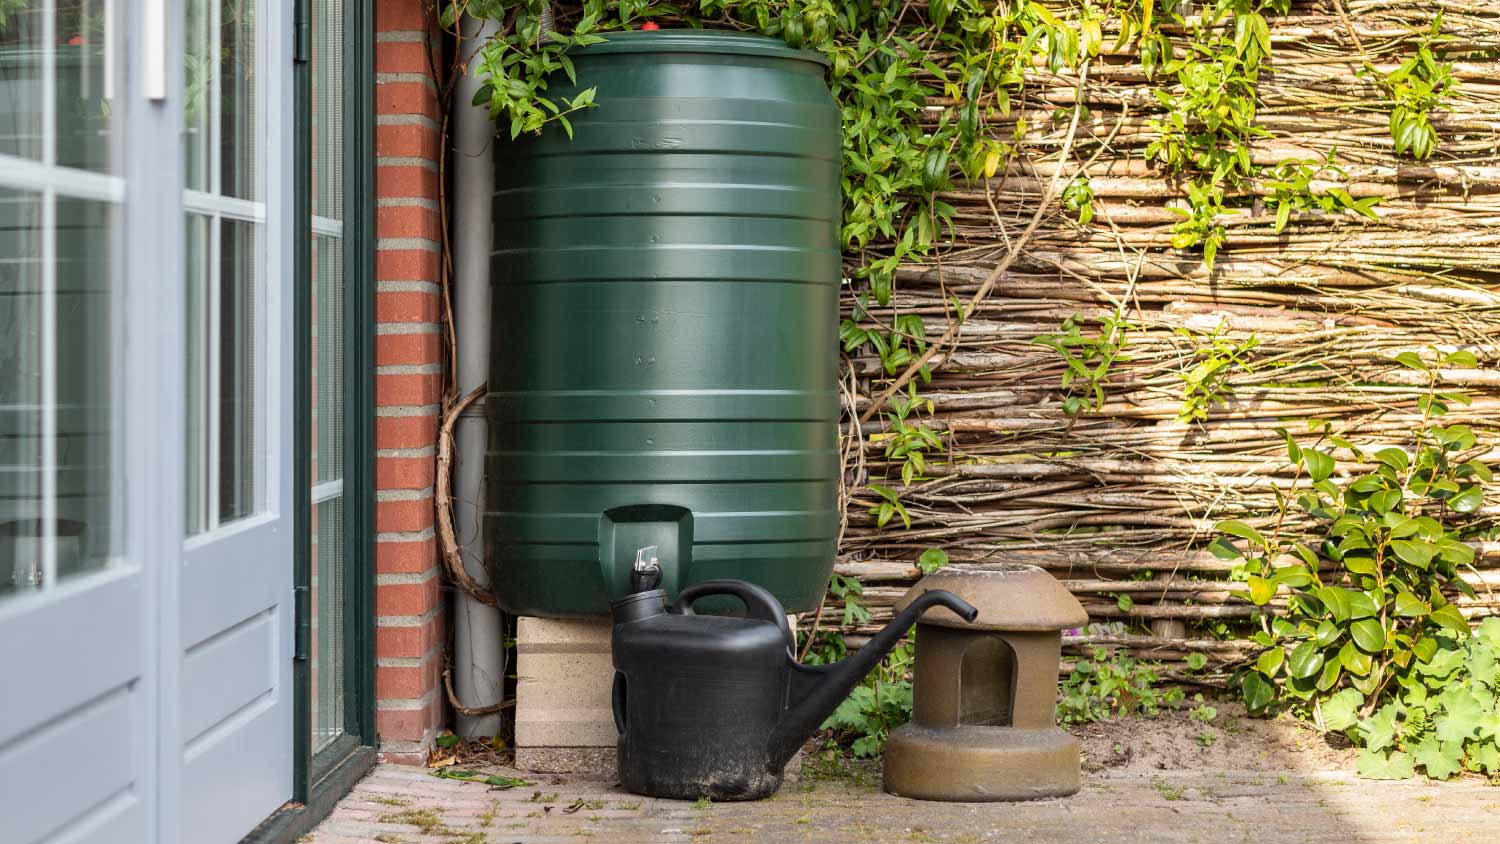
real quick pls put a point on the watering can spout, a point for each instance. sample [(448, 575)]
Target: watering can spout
[(817, 690)]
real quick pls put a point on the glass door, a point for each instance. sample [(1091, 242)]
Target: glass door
[(74, 629), (335, 164), (234, 643)]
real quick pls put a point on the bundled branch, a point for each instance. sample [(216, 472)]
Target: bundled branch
[(1121, 498)]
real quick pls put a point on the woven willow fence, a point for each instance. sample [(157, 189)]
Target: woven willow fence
[(1123, 500)]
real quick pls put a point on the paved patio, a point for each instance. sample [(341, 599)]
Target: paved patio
[(396, 805)]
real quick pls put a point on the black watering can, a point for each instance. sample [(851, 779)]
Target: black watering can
[(715, 706)]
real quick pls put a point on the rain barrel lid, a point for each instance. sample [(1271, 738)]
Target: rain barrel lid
[(711, 41)]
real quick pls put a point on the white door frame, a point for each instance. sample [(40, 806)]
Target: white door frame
[(98, 658)]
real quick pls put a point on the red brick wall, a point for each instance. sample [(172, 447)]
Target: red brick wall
[(410, 632)]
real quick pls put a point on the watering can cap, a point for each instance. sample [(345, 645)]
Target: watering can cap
[(1008, 596)]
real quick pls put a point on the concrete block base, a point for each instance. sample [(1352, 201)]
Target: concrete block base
[(564, 719), (594, 763)]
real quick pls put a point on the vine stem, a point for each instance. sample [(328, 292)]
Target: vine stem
[(442, 493), (952, 334), (471, 711)]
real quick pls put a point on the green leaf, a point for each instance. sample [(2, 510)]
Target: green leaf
[(1414, 552), (1225, 550), (1318, 464), (1468, 500), (1449, 617), (1269, 662), (1341, 710), (1234, 527), (1442, 759), (1305, 661), (1461, 716), (1362, 605), (1379, 730), (1196, 661), (1336, 600), (1384, 502), (1411, 360), (1353, 660), (1257, 691), (1368, 635), (1396, 765), (1329, 677), (1262, 589), (1327, 633), (1394, 458), (932, 559), (1410, 605)]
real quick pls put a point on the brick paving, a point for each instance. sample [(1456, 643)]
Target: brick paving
[(405, 805)]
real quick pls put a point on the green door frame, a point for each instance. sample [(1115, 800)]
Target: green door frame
[(321, 780)]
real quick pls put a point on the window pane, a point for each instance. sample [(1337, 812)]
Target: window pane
[(21, 385), (329, 588), (237, 353), (83, 113), (21, 62), (328, 359), (70, 417), (197, 361), (85, 257), (239, 161), (328, 109), (220, 91), (197, 95), (222, 355)]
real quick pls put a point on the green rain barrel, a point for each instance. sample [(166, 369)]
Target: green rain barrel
[(664, 361)]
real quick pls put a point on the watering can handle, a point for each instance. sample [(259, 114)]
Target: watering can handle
[(758, 602)]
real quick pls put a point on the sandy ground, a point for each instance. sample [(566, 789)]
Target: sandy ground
[(1145, 780), (1176, 741)]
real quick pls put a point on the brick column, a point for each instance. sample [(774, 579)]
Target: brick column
[(411, 629)]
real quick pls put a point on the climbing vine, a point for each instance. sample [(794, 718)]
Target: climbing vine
[(940, 97), (891, 61)]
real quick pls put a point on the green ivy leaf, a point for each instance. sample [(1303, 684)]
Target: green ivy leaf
[(1461, 717), (1380, 729), (1329, 677), (932, 559), (1361, 605), (1394, 458), (1396, 765), (1442, 759), (1341, 710), (1327, 633)]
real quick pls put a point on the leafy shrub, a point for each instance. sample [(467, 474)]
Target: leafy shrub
[(1109, 685), (1443, 715), (877, 706), (1367, 619)]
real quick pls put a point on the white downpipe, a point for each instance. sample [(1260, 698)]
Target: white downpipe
[(479, 652)]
